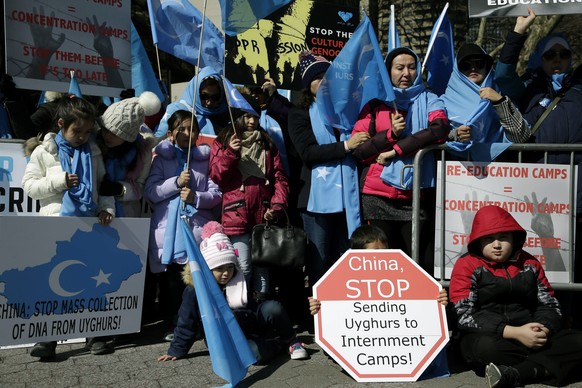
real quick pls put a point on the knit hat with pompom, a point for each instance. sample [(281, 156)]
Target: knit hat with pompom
[(124, 118), (217, 250)]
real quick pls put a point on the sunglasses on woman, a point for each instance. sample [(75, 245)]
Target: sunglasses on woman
[(476, 64), (551, 54), (210, 97)]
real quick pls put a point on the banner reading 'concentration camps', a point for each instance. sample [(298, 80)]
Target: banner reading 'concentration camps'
[(500, 8), (45, 41), (272, 46)]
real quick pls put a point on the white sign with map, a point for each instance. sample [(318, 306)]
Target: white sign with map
[(70, 277)]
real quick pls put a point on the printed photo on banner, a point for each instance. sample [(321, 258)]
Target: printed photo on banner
[(13, 199), (502, 8), (380, 318), (76, 279), (45, 41), (271, 47), (522, 190)]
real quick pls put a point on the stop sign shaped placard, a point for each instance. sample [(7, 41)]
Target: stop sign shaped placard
[(379, 318)]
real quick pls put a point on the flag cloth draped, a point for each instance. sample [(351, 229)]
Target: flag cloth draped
[(229, 351), (466, 107), (356, 76), (240, 15), (236, 100), (440, 54), (74, 87), (142, 74), (176, 26)]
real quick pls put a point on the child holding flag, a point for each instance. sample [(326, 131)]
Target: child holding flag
[(168, 188), (265, 324)]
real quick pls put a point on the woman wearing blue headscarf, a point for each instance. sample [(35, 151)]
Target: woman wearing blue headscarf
[(211, 103), (479, 115), (417, 120)]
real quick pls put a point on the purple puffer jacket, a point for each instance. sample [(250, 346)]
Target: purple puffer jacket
[(161, 188)]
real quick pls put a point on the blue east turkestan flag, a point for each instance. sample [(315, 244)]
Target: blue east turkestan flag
[(356, 76), (176, 26), (74, 87), (393, 36), (240, 15), (236, 100), (440, 54), (143, 77), (229, 351)]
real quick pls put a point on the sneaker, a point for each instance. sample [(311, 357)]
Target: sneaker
[(168, 336), (298, 352), (44, 350), (501, 376), (98, 346)]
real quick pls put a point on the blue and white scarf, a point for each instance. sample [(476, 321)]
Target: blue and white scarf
[(334, 185), (273, 128), (466, 107), (174, 249), (417, 102), (78, 200)]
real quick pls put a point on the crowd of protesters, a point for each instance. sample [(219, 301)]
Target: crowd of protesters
[(96, 161)]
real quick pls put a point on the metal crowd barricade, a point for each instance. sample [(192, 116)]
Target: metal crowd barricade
[(572, 149)]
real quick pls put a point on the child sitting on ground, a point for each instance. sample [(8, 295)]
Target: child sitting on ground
[(507, 313), (265, 323)]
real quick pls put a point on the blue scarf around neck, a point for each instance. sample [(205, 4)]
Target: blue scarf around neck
[(77, 201), (417, 102)]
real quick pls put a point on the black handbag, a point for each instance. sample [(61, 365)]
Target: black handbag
[(278, 246)]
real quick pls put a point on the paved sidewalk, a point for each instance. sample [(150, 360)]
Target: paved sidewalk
[(134, 364)]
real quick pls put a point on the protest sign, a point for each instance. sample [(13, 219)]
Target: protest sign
[(13, 200), (272, 46), (502, 8), (379, 317), (70, 277), (521, 189), (46, 41)]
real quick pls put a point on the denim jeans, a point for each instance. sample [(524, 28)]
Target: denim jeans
[(257, 278), (328, 240)]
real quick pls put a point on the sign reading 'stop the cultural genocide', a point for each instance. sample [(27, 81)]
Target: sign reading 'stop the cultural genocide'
[(271, 48)]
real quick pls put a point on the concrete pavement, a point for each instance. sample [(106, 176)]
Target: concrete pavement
[(134, 364)]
